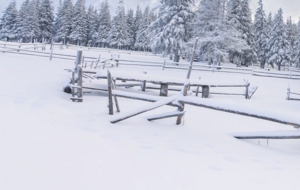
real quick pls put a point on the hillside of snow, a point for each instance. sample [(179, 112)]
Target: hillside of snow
[(49, 142)]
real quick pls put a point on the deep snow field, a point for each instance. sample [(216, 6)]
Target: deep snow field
[(48, 142)]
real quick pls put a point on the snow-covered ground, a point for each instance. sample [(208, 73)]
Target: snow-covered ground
[(49, 142)]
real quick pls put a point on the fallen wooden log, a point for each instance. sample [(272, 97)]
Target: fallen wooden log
[(166, 115), (143, 109)]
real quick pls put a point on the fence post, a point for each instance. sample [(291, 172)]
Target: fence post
[(247, 90), (288, 93), (110, 100), (164, 64), (78, 60), (51, 47)]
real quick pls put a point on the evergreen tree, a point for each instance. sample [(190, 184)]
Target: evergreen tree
[(63, 21), (279, 46), (169, 30), (104, 25), (131, 28), (142, 37), (92, 25), (9, 22), (261, 34), (239, 15), (137, 22), (28, 22), (79, 23), (296, 55), (21, 27), (218, 38), (118, 37), (46, 19)]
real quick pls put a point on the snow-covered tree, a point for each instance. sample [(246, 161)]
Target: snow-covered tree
[(28, 21), (46, 18), (92, 25), (79, 23), (279, 46), (142, 35), (131, 28), (218, 38), (261, 34), (118, 36), (239, 15), (9, 22), (63, 21), (296, 55), (169, 30), (104, 24)]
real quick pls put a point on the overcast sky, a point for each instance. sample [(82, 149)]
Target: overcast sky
[(290, 7)]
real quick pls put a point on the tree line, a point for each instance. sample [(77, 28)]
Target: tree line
[(224, 28)]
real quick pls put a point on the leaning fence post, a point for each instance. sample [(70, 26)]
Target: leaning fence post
[(110, 100)]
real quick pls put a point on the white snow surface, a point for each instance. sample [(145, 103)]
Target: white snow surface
[(48, 142)]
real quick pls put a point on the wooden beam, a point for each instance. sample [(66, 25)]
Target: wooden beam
[(165, 115), (268, 137), (144, 109)]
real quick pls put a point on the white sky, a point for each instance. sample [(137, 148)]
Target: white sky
[(290, 7)]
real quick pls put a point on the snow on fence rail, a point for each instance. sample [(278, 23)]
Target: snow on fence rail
[(292, 95)]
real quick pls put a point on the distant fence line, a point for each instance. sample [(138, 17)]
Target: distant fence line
[(33, 49)]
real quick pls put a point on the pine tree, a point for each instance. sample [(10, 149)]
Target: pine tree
[(169, 30), (218, 38), (9, 22), (131, 28), (21, 18), (261, 34), (92, 25), (142, 37), (239, 15), (104, 25), (118, 37), (79, 23), (296, 53), (63, 21), (46, 19), (279, 46), (137, 22), (28, 21)]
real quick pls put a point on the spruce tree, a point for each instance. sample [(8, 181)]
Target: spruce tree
[(9, 22), (118, 37), (92, 25), (261, 34), (104, 25), (169, 30), (63, 22), (142, 37), (79, 23), (131, 28), (46, 18), (279, 46)]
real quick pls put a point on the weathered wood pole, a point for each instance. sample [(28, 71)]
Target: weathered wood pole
[(79, 83), (205, 91), (78, 60), (186, 85), (143, 86), (73, 83), (163, 89), (247, 91), (110, 99)]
